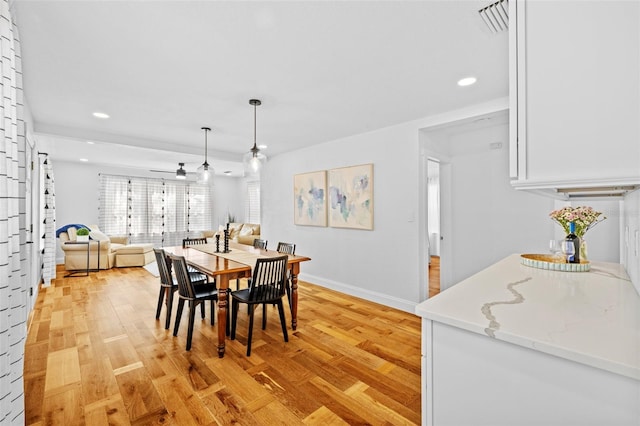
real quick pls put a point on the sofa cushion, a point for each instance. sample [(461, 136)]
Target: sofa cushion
[(234, 230), (99, 236), (134, 248), (254, 227), (245, 230)]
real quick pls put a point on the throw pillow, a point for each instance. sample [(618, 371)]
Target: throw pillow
[(98, 236), (71, 232)]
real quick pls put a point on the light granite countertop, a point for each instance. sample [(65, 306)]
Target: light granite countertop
[(587, 317)]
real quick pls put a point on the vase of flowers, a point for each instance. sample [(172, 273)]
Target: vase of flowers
[(583, 217)]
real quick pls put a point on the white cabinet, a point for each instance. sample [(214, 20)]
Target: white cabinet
[(574, 93), (516, 345)]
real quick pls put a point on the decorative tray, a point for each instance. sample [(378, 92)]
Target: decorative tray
[(551, 263)]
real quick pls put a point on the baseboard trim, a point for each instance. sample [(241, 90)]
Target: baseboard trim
[(372, 296)]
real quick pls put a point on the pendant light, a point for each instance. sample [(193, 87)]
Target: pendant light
[(254, 159), (204, 173), (181, 173)]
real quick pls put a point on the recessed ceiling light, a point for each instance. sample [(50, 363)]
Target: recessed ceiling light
[(100, 115), (467, 81), (84, 160), (262, 146), (90, 143), (227, 172)]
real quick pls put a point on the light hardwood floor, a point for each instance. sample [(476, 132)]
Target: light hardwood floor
[(95, 355), (434, 276)]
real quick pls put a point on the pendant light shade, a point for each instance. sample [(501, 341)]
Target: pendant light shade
[(205, 171), (181, 173), (254, 159)]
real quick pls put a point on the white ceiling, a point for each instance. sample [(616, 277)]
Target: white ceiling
[(323, 70)]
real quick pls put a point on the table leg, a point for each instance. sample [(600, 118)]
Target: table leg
[(295, 270), (223, 287)]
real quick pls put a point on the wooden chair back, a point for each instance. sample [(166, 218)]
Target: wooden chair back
[(269, 280), (186, 242), (163, 268), (287, 248), (260, 244), (185, 286)]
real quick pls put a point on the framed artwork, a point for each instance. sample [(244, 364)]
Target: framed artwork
[(310, 199), (351, 197)]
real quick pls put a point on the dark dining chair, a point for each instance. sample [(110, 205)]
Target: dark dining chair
[(195, 295), (287, 248), (260, 244), (267, 286), (186, 242), (168, 284)]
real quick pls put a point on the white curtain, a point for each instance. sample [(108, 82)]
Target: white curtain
[(49, 233), (153, 211), (252, 203), (13, 253)]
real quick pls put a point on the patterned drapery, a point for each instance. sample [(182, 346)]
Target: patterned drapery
[(49, 228), (13, 253)]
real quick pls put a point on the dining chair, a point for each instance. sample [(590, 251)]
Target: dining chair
[(287, 248), (260, 244), (266, 287), (186, 242), (195, 295), (168, 284)]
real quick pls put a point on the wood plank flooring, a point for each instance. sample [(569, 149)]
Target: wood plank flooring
[(434, 276), (95, 355)]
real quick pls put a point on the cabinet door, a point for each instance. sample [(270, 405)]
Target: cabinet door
[(575, 90)]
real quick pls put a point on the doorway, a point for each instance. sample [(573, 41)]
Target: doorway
[(433, 224)]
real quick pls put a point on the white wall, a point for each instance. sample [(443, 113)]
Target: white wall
[(603, 240), (379, 265), (630, 244), (77, 194), (485, 218)]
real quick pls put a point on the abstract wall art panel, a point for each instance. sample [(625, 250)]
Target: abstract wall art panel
[(351, 197), (310, 199)]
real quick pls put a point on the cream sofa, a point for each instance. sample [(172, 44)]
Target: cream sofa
[(115, 251), (243, 233)]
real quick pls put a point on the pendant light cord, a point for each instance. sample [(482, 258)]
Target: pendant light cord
[(206, 146)]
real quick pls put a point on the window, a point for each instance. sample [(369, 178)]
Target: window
[(252, 206), (153, 210)]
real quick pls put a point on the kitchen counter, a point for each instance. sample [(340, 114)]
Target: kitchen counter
[(551, 347), (588, 317)]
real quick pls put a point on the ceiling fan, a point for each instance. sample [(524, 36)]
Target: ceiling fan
[(179, 173)]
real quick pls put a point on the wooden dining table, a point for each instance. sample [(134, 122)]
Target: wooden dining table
[(236, 264)]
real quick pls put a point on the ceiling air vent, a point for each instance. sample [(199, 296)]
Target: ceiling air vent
[(496, 16)]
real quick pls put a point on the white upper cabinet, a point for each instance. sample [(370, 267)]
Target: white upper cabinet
[(574, 93)]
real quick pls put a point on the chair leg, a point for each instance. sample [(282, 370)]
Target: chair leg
[(264, 316), (169, 308), (283, 321), (192, 319), (235, 307), (178, 316), (213, 311), (202, 310), (160, 297), (250, 336)]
